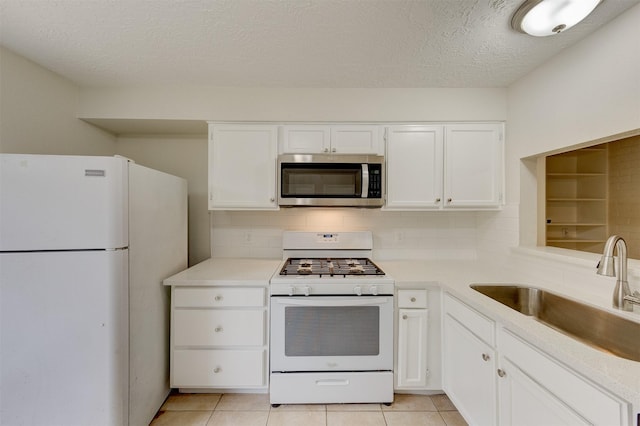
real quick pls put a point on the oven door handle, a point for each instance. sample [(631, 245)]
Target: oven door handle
[(328, 301)]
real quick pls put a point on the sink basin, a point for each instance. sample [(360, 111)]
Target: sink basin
[(598, 328)]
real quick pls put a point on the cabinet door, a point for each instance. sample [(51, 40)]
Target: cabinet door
[(412, 348), (524, 402), (356, 139), (242, 167), (305, 139), (559, 383), (414, 167), (469, 374), (473, 165)]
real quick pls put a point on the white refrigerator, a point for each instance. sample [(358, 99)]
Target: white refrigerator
[(85, 243)]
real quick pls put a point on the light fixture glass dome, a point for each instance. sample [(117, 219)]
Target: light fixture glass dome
[(546, 17)]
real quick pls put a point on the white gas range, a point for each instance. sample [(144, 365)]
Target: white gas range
[(331, 321)]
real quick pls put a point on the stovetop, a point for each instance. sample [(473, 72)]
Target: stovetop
[(327, 264), (330, 267)]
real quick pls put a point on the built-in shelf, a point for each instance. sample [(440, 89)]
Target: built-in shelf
[(576, 199)]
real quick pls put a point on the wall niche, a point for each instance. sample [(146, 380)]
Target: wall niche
[(591, 193)]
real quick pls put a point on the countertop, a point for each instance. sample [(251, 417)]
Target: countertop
[(620, 376), (227, 272)]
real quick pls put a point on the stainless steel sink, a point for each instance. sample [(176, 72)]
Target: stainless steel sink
[(593, 326)]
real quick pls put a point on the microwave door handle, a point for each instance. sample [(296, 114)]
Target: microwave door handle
[(365, 180)]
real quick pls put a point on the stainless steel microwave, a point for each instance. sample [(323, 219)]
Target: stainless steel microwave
[(330, 180)]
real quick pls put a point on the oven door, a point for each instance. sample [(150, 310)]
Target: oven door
[(331, 333)]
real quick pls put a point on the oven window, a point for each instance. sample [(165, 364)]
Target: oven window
[(321, 180), (332, 331)]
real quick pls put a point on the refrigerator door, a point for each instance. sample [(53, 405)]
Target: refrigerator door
[(64, 329), (54, 202)]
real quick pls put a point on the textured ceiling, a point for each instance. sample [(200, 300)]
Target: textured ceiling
[(284, 43)]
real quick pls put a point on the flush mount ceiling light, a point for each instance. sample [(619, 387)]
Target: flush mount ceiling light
[(546, 17)]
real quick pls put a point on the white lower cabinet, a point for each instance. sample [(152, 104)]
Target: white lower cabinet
[(218, 338), (417, 344), (531, 380), (469, 366), (525, 402), (514, 383), (203, 368)]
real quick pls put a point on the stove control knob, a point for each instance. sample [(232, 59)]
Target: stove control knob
[(374, 290), (292, 290), (357, 290), (306, 290)]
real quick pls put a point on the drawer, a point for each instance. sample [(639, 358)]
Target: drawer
[(593, 403), (212, 327), (412, 298), (201, 368), (221, 297), (477, 323)]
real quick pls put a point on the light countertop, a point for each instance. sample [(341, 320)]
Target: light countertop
[(227, 272)]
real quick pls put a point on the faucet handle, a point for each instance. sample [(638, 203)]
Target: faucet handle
[(633, 298)]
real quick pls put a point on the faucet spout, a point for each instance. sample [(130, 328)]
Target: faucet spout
[(606, 267)]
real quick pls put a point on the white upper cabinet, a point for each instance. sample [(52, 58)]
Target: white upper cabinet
[(473, 158), (242, 167), (305, 139), (414, 167), (444, 166), (329, 139)]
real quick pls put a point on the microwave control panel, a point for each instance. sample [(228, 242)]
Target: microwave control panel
[(375, 181)]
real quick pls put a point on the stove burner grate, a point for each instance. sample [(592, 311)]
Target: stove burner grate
[(330, 267)]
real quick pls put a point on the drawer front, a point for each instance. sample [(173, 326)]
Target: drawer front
[(212, 327), (477, 323), (593, 403), (220, 297), (412, 298), (217, 368)]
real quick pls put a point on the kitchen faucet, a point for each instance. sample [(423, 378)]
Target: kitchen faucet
[(622, 297)]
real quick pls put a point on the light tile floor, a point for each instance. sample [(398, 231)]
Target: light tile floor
[(254, 409)]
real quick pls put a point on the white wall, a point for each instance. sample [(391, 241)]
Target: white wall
[(38, 112), (184, 156), (589, 91), (288, 104), (397, 235)]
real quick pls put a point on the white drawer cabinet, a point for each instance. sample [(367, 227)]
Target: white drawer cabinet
[(217, 327), (204, 368), (412, 298), (218, 297), (219, 337)]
